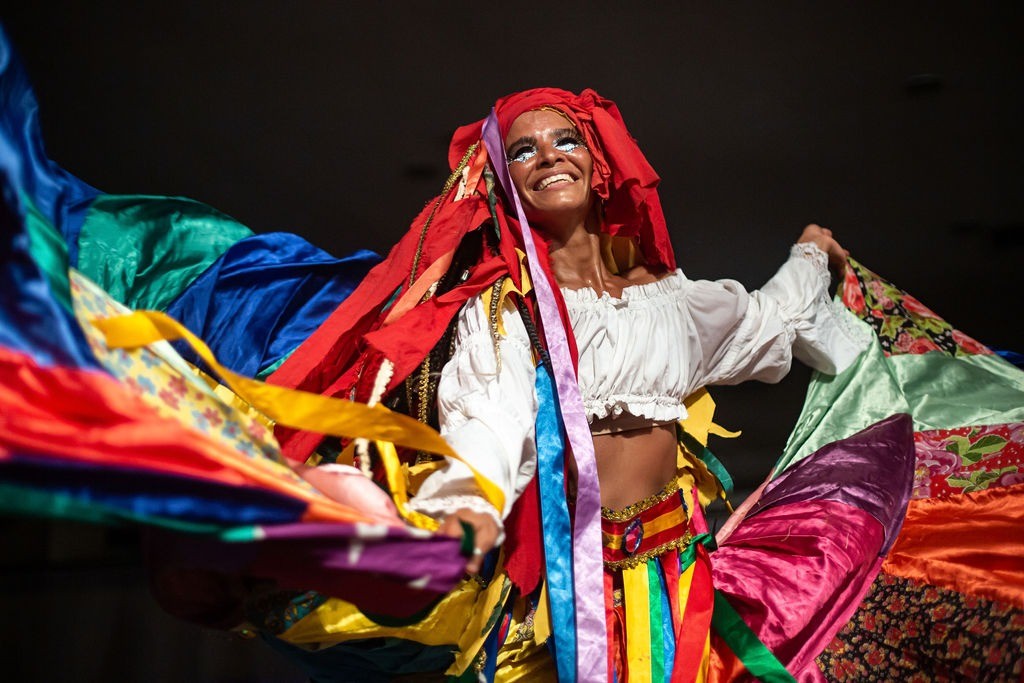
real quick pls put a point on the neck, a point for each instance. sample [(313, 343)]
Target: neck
[(576, 259)]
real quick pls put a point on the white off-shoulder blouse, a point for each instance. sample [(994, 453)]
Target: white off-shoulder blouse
[(640, 355)]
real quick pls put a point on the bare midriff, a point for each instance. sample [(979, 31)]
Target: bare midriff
[(635, 464)]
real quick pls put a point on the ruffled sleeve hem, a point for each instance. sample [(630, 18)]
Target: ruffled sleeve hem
[(826, 336)]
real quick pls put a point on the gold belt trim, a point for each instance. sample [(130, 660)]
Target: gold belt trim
[(630, 511), (634, 560)]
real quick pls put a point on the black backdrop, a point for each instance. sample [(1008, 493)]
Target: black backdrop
[(899, 127)]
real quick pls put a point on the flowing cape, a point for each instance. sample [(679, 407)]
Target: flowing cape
[(133, 434), (940, 595)]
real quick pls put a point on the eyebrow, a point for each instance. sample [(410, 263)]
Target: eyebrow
[(530, 140), (564, 132)]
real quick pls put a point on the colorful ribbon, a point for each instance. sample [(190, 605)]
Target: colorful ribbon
[(588, 570), (291, 407), (554, 514)]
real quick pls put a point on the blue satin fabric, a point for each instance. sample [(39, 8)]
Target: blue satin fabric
[(60, 197), (119, 494), (555, 522), (32, 320), (264, 296)]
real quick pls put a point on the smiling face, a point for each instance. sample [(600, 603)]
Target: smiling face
[(551, 168)]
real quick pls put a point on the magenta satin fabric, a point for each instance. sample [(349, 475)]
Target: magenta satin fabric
[(872, 470), (796, 574), (801, 562)]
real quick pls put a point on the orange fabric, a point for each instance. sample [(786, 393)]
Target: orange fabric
[(972, 543), (723, 664)]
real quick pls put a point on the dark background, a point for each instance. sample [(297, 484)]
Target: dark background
[(898, 127)]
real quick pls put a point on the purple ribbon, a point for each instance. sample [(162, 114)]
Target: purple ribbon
[(588, 568)]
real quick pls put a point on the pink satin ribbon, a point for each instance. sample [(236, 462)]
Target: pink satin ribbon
[(588, 570)]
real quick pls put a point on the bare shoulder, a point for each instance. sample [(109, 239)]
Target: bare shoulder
[(644, 274)]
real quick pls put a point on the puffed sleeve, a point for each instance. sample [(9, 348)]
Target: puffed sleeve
[(487, 414), (755, 335)]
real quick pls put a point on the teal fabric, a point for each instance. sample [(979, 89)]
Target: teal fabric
[(145, 250), (49, 251), (946, 392)]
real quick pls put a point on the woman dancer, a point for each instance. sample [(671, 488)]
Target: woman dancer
[(643, 339), (455, 293)]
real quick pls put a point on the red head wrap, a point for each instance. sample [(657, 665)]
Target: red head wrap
[(622, 176)]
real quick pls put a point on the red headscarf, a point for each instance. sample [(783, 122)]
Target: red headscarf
[(342, 357), (622, 178)]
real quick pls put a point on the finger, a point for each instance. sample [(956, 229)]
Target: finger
[(486, 533), (450, 527), (476, 561)]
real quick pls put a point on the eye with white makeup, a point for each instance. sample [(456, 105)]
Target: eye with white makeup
[(565, 142)]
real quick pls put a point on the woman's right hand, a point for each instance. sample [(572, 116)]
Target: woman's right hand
[(485, 534)]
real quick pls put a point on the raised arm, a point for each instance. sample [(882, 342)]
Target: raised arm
[(755, 335)]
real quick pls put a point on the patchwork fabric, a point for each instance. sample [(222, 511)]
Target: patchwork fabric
[(165, 383)]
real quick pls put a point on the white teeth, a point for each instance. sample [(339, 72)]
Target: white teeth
[(551, 180)]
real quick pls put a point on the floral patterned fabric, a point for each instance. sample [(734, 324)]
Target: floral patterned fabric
[(155, 373), (911, 631), (951, 461), (903, 324)]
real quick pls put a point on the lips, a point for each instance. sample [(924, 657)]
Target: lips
[(553, 180)]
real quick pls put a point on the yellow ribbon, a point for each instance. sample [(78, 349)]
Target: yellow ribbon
[(700, 410), (299, 409), (637, 597)]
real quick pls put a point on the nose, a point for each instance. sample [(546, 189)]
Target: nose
[(548, 153)]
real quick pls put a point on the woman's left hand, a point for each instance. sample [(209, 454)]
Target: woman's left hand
[(823, 238)]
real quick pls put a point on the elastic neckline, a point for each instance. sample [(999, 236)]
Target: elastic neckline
[(669, 284)]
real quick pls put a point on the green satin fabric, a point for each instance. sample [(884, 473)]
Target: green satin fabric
[(940, 392), (49, 252), (955, 392), (145, 250), (745, 644), (836, 407)]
